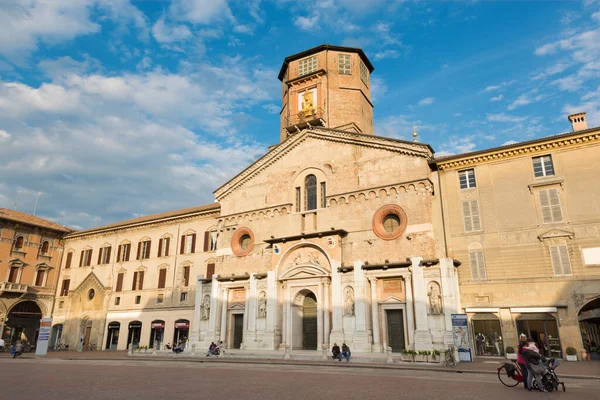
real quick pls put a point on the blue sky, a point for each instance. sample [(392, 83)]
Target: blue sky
[(119, 108)]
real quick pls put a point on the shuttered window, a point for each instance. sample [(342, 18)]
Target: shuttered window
[(39, 279), (186, 276), (138, 280), (344, 65), (141, 280), (120, 278), (143, 251), (85, 259), (477, 260), (69, 260), (188, 244), (64, 290), (104, 255), (471, 218), (13, 274), (560, 260), (123, 252), (550, 206), (163, 247), (207, 244), (162, 278), (210, 270), (467, 179), (134, 283)]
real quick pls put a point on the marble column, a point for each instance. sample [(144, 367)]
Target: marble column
[(245, 317), (360, 338), (375, 313), (423, 339), (410, 311), (224, 305), (213, 322), (337, 304), (320, 313), (271, 338), (326, 313), (449, 296), (195, 328)]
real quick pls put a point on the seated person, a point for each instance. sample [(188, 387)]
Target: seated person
[(212, 349), (345, 352), (178, 349), (335, 350)]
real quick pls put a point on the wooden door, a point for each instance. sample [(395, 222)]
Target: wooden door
[(309, 323), (238, 330), (395, 323), (88, 333)]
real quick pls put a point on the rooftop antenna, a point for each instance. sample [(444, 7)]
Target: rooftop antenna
[(17, 199), (36, 201)]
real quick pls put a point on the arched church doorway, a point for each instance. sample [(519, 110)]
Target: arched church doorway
[(589, 325), (23, 323), (304, 322)]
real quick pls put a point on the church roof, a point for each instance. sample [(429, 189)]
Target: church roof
[(396, 145), (29, 219), (319, 49), (150, 218)]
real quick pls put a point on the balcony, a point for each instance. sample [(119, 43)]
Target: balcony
[(304, 119), (9, 287)]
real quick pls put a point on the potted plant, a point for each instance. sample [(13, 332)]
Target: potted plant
[(406, 355), (435, 356), (424, 355), (510, 353), (571, 354)]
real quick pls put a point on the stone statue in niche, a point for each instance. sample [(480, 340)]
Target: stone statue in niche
[(205, 307), (262, 305), (348, 302), (435, 299)]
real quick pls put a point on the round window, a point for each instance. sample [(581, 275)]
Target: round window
[(242, 241), (391, 222), (91, 294), (245, 242)]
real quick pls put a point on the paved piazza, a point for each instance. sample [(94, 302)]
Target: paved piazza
[(98, 379)]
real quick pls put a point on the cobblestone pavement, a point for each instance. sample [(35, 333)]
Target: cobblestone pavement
[(53, 378)]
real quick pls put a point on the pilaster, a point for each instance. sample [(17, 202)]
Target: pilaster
[(195, 328), (360, 338), (423, 339)]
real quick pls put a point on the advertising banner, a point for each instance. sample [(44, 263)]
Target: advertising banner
[(460, 330), (44, 337)]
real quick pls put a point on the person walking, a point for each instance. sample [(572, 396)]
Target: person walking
[(18, 349), (345, 352), (520, 360), (535, 367)]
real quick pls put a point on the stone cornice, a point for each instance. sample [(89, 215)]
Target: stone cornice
[(260, 213), (377, 142), (409, 186), (543, 145)]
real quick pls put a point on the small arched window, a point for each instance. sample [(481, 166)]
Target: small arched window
[(310, 188), (45, 247), (19, 243)]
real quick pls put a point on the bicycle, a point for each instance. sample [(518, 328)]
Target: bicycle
[(90, 347), (450, 360)]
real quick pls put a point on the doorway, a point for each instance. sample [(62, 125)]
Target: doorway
[(112, 339), (157, 334), (543, 330), (181, 333), (309, 322), (589, 326), (134, 335), (22, 323), (395, 325), (238, 330)]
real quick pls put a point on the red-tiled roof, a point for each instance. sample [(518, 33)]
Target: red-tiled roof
[(152, 217), (24, 218)]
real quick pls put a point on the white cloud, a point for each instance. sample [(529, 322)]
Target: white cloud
[(502, 117), (552, 70), (200, 11), (568, 83), (25, 23), (272, 108), (426, 101), (509, 142), (89, 140), (307, 23), (528, 98), (378, 88), (164, 33), (389, 53), (497, 98), (491, 88)]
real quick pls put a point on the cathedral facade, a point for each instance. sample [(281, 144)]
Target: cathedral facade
[(334, 235)]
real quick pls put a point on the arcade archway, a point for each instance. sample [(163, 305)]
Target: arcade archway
[(589, 325), (23, 323)]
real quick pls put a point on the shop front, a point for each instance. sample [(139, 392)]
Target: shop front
[(542, 328), (181, 334), (487, 335), (157, 334)]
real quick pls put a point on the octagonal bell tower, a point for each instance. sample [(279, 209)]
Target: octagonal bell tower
[(326, 86)]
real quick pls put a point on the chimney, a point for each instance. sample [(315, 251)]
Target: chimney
[(578, 122)]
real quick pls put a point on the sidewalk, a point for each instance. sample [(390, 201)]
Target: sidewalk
[(483, 365)]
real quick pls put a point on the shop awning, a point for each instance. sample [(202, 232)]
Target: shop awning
[(158, 325), (536, 317), (182, 324)]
